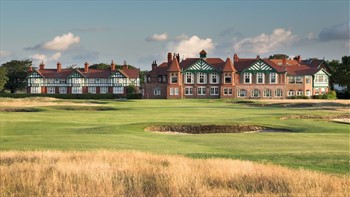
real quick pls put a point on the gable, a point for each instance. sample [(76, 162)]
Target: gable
[(322, 72), (34, 74), (259, 66), (76, 75), (117, 74), (200, 66)]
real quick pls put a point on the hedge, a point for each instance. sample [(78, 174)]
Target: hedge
[(74, 96)]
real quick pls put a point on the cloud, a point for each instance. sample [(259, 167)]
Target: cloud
[(264, 43), (4, 54), (336, 32), (311, 36), (182, 37), (56, 56), (192, 46), (59, 43), (39, 57), (158, 37)]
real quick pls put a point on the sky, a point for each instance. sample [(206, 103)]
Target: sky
[(76, 31)]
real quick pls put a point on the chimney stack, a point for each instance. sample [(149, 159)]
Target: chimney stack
[(299, 58), (125, 66), (154, 65), (284, 61), (170, 58), (178, 57), (59, 67), (42, 66), (235, 57), (30, 69), (112, 66), (258, 57), (86, 68)]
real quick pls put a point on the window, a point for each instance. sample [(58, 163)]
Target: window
[(164, 78), (103, 90), (57, 80), (174, 91), (290, 93), (201, 91), (173, 78), (202, 78), (227, 91), (77, 90), (148, 79), (323, 91), (156, 91), (308, 93), (242, 93), (247, 78), (228, 78), (273, 78), (51, 90), (299, 79), (103, 80), (255, 93), (307, 80), (159, 78), (214, 91), (91, 80), (278, 93), (291, 79), (92, 90), (214, 78), (299, 93), (189, 78), (267, 93), (97, 80), (317, 91), (35, 90), (321, 79), (118, 90), (63, 81), (260, 78), (76, 80), (188, 91), (50, 80), (62, 90)]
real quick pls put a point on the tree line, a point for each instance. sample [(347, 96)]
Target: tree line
[(13, 73)]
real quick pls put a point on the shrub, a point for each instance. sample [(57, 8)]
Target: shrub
[(74, 96)]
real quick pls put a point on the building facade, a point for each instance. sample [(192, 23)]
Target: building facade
[(241, 78), (81, 81)]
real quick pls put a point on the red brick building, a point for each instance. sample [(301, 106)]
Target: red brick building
[(81, 81), (243, 78)]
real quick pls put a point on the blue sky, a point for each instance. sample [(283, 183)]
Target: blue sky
[(139, 32)]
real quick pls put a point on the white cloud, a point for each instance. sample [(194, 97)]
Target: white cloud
[(158, 37), (190, 47), (61, 43), (265, 43), (182, 37), (39, 57), (56, 56), (311, 36), (4, 54)]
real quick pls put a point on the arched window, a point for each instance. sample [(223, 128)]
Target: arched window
[(278, 93), (255, 93), (242, 93), (267, 93)]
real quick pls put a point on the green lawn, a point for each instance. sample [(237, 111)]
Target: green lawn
[(313, 144)]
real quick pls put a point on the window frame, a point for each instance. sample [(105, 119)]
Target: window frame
[(204, 78), (260, 76), (201, 91), (240, 91), (214, 90), (189, 89), (247, 76), (266, 91), (216, 78), (275, 76), (255, 91), (191, 75)]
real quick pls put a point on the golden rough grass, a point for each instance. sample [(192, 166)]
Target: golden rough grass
[(36, 102), (107, 173)]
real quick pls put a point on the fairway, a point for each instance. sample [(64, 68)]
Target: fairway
[(315, 144)]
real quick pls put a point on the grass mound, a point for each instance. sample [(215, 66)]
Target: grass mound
[(106, 173), (16, 109), (84, 108)]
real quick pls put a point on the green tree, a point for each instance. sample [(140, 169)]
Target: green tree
[(100, 66), (3, 77), (278, 56), (341, 72), (16, 73)]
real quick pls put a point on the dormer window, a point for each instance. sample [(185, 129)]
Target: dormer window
[(189, 78), (260, 78), (214, 78), (247, 78), (273, 78)]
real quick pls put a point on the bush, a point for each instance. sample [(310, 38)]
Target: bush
[(74, 96)]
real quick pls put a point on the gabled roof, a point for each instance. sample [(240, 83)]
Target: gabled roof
[(301, 70), (174, 66), (217, 63), (130, 73), (228, 67), (243, 64), (313, 63), (36, 71)]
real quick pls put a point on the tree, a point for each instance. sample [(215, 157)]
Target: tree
[(16, 73), (3, 77), (100, 66), (278, 56), (341, 72)]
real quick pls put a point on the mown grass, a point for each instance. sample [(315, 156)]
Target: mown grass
[(314, 143), (110, 173)]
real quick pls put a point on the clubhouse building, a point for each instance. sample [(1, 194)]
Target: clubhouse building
[(206, 77), (82, 81)]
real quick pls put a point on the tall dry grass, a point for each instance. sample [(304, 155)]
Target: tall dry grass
[(107, 173)]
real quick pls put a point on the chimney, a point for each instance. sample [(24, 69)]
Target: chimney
[(170, 58), (30, 69), (112, 66), (86, 68), (59, 67), (284, 60), (42, 66), (235, 57), (258, 57), (178, 57), (299, 58), (125, 66), (154, 65)]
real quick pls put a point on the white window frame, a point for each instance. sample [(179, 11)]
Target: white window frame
[(290, 92), (174, 76), (214, 90), (247, 76), (242, 93), (260, 76), (201, 90), (278, 93), (92, 90), (51, 90), (308, 93), (156, 92), (267, 93), (77, 90), (174, 91), (216, 76), (227, 75), (289, 79), (62, 90), (255, 91), (188, 90), (299, 93), (275, 76), (191, 75), (307, 80), (199, 75), (118, 90), (103, 90), (35, 90), (298, 79)]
